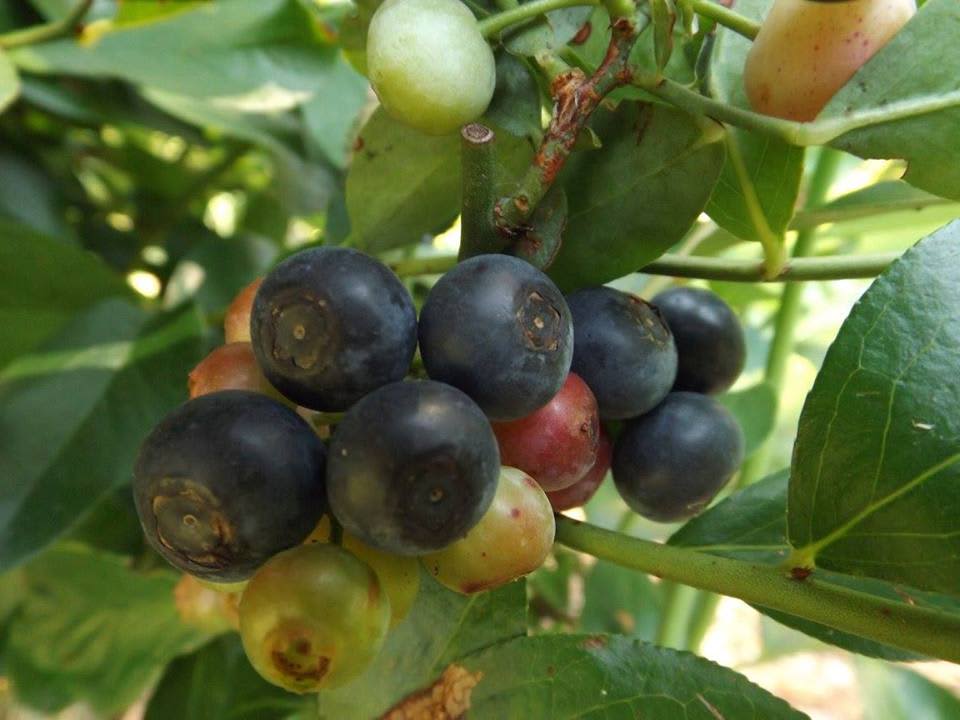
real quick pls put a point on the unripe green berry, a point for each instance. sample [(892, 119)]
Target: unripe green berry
[(429, 64)]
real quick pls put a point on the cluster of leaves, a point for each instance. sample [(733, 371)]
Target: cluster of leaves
[(168, 153)]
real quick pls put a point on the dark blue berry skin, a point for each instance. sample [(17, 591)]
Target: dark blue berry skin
[(226, 481), (623, 350), (670, 463), (711, 349), (500, 330), (329, 325), (413, 466)]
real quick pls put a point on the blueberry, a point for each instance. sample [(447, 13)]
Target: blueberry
[(226, 481), (670, 463), (623, 350), (710, 346), (331, 324), (413, 466), (500, 330)]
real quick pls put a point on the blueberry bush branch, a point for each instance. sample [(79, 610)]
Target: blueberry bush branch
[(837, 267), (49, 31), (477, 233), (901, 625), (575, 98)]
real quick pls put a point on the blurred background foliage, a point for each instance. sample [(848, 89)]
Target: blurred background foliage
[(157, 163)]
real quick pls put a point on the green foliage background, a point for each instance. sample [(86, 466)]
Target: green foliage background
[(169, 153)]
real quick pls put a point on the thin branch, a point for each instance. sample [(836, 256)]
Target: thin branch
[(726, 17), (49, 31), (575, 98), (929, 632), (521, 14)]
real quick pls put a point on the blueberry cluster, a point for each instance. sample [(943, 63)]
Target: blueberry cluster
[(456, 462)]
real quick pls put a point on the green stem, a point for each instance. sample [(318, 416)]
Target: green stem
[(49, 31), (774, 255), (788, 314), (493, 25), (818, 132), (814, 216), (836, 267), (726, 17), (701, 618), (928, 632), (478, 234)]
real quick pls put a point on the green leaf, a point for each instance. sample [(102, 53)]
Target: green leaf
[(91, 629), (442, 628), (610, 677), (218, 683), (925, 87), (895, 693), (752, 525), (552, 31), (44, 282), (212, 271), (9, 81), (620, 600), (261, 56), (330, 117), (631, 200), (663, 17), (516, 100), (307, 186), (32, 197), (876, 202), (773, 169), (755, 409), (403, 184), (74, 415), (875, 486)]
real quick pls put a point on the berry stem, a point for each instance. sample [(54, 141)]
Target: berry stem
[(49, 31), (920, 630), (724, 16), (575, 98), (478, 234), (835, 267), (493, 25)]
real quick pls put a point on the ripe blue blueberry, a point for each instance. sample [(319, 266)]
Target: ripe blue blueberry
[(500, 330), (228, 480), (413, 466), (623, 350), (331, 324), (670, 463), (711, 349)]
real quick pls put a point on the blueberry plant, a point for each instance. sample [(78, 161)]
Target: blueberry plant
[(442, 358)]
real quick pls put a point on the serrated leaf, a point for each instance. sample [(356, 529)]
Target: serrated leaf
[(773, 168), (557, 677), (44, 282), (874, 488), (92, 629), (218, 683), (914, 74), (9, 81), (74, 414), (442, 628), (260, 56), (752, 525), (755, 409), (632, 199)]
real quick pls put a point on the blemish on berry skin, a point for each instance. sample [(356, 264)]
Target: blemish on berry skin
[(515, 512)]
